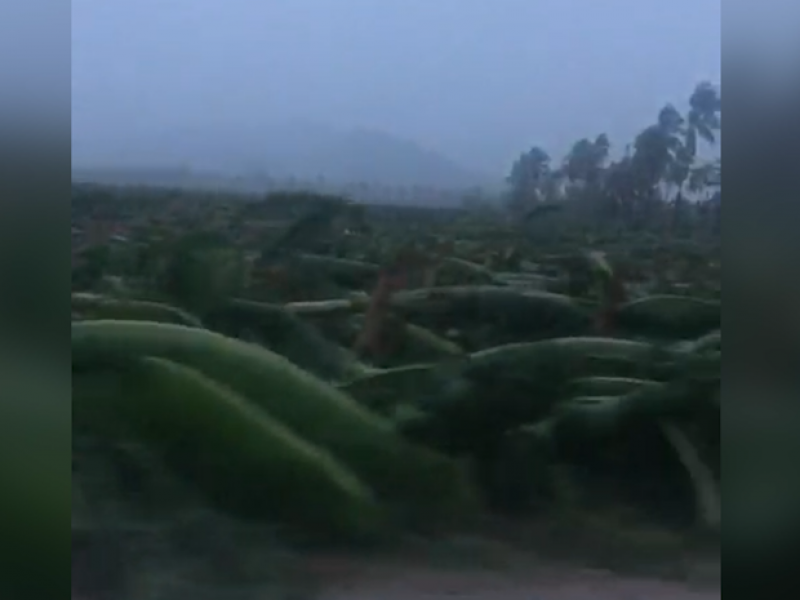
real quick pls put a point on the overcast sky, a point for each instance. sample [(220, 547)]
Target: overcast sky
[(478, 80)]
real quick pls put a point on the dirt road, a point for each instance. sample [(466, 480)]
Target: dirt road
[(554, 564), (542, 582)]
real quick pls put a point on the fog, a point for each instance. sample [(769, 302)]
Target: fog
[(241, 84)]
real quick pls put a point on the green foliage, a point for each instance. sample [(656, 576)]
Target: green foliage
[(226, 447), (647, 187), (315, 410), (507, 344), (582, 335)]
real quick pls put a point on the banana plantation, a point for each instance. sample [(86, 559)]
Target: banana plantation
[(353, 372)]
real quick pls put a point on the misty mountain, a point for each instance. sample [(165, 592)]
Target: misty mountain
[(300, 150)]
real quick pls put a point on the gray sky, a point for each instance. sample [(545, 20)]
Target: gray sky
[(477, 80)]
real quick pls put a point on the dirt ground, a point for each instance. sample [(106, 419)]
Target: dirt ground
[(592, 565), (516, 562), (337, 578), (407, 581)]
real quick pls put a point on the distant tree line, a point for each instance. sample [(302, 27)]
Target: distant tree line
[(660, 176)]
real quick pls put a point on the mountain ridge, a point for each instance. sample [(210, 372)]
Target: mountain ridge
[(294, 150)]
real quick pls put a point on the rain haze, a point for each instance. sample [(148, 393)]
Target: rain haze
[(294, 87)]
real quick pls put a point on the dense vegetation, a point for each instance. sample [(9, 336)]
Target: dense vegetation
[(654, 180), (353, 370)]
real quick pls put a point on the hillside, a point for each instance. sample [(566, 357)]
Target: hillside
[(297, 150)]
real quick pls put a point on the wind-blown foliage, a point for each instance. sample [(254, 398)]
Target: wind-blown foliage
[(352, 370), (648, 186), (482, 337)]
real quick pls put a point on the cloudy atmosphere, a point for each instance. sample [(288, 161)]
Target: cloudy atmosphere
[(459, 87)]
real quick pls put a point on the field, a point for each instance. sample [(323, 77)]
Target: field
[(261, 379)]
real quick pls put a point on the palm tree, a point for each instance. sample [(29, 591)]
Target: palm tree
[(704, 116), (586, 160), (632, 182), (657, 148), (528, 175), (702, 122)]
